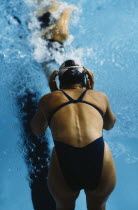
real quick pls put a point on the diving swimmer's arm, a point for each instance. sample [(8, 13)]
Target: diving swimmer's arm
[(39, 123), (109, 117)]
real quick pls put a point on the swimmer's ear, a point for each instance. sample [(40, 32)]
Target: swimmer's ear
[(52, 81), (89, 80)]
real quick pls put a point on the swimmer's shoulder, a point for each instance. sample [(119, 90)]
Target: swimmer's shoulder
[(99, 97), (98, 94), (49, 96)]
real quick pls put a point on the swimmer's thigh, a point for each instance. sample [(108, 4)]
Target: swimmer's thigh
[(63, 195), (96, 199)]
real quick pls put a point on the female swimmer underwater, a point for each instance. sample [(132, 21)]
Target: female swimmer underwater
[(81, 159)]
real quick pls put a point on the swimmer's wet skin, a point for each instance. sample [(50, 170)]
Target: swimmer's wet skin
[(55, 29), (81, 159), (47, 20), (71, 100)]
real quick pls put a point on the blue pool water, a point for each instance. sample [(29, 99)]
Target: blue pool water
[(104, 38)]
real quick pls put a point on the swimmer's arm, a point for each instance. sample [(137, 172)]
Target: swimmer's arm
[(39, 122), (109, 117), (60, 31)]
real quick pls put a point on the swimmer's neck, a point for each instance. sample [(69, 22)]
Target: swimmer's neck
[(76, 86)]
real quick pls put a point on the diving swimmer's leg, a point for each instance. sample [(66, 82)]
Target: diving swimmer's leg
[(58, 34), (96, 199), (64, 196), (60, 31)]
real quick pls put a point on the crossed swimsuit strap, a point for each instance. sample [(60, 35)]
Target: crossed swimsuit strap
[(71, 100)]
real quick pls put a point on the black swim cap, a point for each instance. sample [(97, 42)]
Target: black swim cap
[(70, 73), (70, 64)]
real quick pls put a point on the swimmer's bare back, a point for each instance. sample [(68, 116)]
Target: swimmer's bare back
[(78, 120), (77, 125)]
